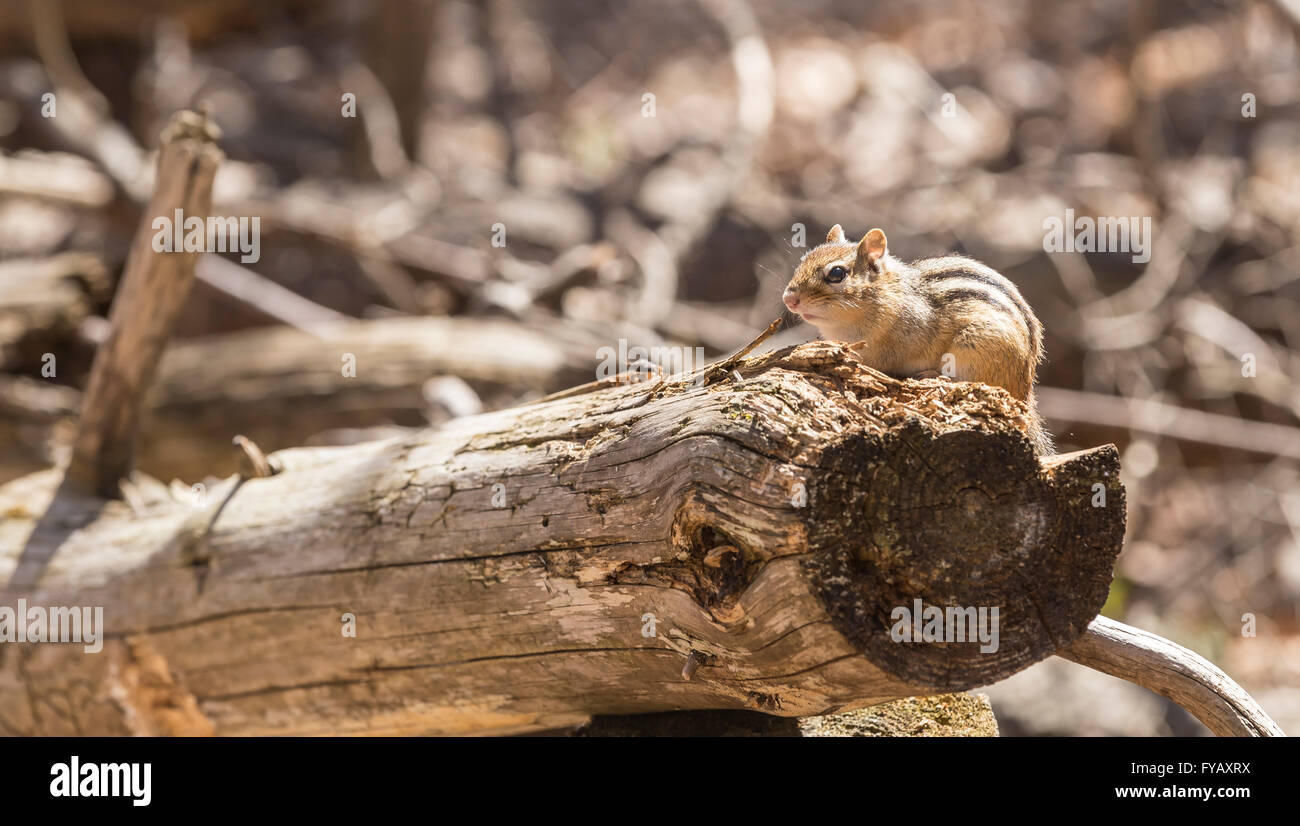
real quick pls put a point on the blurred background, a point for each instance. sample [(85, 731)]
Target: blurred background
[(473, 198)]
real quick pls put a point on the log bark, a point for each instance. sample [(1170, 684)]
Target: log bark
[(506, 571)]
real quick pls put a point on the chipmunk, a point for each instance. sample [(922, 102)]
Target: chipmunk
[(949, 316)]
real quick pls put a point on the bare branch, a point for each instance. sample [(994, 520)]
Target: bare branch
[(1172, 671), (153, 288)]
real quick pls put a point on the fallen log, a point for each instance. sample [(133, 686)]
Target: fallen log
[(281, 386), (659, 546)]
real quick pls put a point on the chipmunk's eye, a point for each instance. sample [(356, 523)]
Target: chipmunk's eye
[(836, 275)]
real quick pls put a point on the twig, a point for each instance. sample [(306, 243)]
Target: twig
[(83, 120), (1170, 670), (50, 34), (264, 295), (379, 118), (154, 286), (724, 367), (257, 461), (1169, 420), (195, 549), (39, 176), (640, 373)]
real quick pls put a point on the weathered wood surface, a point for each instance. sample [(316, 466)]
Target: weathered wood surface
[(154, 286), (527, 613)]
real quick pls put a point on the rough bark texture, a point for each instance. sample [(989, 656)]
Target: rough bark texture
[(501, 569)]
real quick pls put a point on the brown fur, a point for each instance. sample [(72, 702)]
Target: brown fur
[(911, 316)]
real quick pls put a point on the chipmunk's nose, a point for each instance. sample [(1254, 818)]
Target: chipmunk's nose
[(791, 300)]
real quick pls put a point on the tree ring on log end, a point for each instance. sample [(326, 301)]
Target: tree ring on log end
[(961, 525)]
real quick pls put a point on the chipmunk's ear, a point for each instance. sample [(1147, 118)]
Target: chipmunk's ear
[(872, 248), (836, 235)]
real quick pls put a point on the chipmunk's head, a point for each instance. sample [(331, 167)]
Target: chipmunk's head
[(839, 285)]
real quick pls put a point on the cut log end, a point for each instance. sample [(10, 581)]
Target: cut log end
[(931, 497), (958, 521)]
